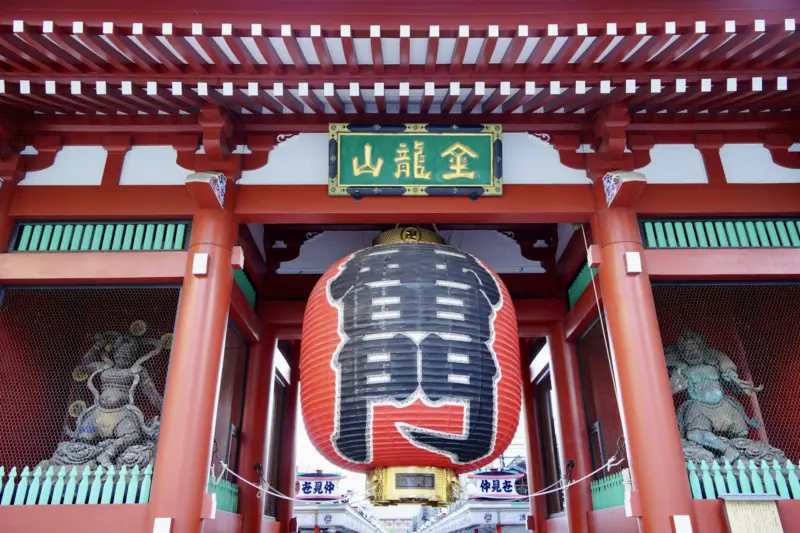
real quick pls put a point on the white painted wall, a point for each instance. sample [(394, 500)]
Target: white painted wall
[(675, 163), (74, 165), (152, 165), (752, 163), (299, 160)]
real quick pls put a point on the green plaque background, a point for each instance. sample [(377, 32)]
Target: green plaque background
[(384, 146)]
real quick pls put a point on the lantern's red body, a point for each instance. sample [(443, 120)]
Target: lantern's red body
[(323, 338)]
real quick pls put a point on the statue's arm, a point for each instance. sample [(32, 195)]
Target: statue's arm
[(90, 362), (149, 389), (725, 364)]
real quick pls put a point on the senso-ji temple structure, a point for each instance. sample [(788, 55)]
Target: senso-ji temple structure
[(615, 184)]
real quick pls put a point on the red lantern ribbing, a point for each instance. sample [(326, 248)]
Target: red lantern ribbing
[(410, 358)]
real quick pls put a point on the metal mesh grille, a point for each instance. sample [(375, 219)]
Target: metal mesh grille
[(279, 395), (602, 412), (229, 404), (719, 337), (83, 373)]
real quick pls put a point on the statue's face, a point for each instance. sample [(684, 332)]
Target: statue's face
[(125, 352), (704, 384)]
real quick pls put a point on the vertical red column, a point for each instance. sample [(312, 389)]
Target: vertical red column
[(7, 186), (565, 375), (533, 445), (661, 489), (184, 444), (286, 473), (253, 450)]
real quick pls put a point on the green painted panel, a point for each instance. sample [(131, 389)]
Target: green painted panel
[(108, 237), (25, 238), (58, 233), (582, 280), (721, 233), (105, 236), (35, 238), (243, 281), (158, 242)]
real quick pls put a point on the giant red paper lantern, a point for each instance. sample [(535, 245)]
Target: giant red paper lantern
[(410, 357)]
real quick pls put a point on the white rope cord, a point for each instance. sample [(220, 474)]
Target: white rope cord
[(266, 489), (610, 464)]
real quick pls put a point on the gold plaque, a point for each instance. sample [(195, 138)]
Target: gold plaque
[(412, 484)]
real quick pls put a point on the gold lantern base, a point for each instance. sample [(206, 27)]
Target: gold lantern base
[(391, 485), (408, 234)]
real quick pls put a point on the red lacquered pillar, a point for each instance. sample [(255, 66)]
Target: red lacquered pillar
[(184, 445), (288, 462), (565, 375), (661, 496), (533, 445), (8, 183), (254, 441)]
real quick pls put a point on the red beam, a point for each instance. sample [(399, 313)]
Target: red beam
[(487, 49), (349, 48), (506, 13), (376, 46), (310, 204), (321, 47), (106, 203), (717, 264), (721, 200), (539, 311), (460, 48), (432, 50), (92, 267)]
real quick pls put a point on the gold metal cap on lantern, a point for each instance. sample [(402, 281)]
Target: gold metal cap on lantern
[(409, 234), (391, 485)]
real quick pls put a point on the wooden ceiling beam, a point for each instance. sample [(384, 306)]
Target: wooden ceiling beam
[(376, 47), (349, 47), (432, 49), (212, 49), (21, 50), (488, 47), (459, 49), (321, 48), (333, 98), (126, 46), (92, 40)]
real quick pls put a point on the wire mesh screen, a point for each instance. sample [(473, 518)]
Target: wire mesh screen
[(230, 400), (83, 374), (602, 411), (733, 355), (278, 398)]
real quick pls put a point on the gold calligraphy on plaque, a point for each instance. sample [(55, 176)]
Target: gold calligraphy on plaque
[(459, 164), (403, 161), (367, 167)]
